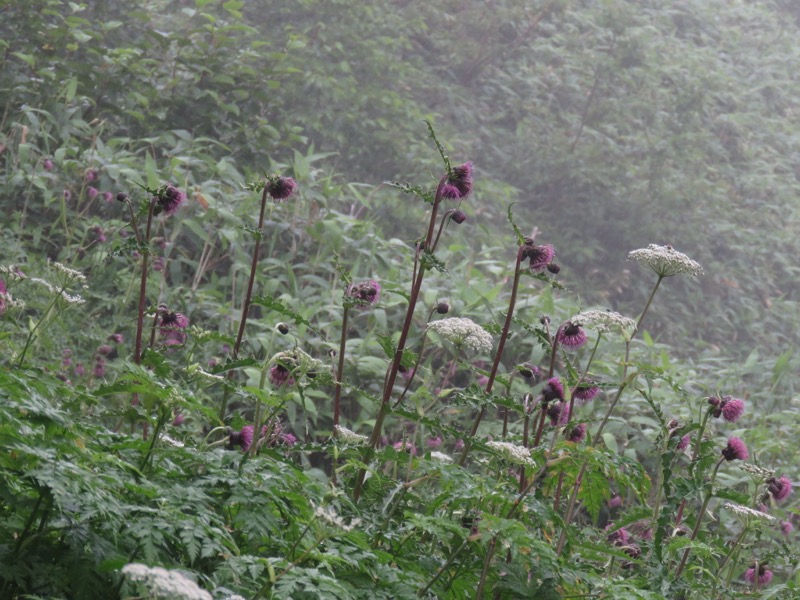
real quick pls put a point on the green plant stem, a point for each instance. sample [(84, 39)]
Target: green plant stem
[(443, 568), (247, 299), (497, 357), (398, 355), (257, 416), (699, 519), (734, 548), (32, 334), (695, 456), (624, 382), (337, 396)]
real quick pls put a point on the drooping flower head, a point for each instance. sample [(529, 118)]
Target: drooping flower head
[(558, 413), (458, 217), (92, 192), (727, 407), (47, 164), (665, 261), (764, 575), (168, 199), (91, 175), (618, 537), (571, 335), (364, 294), (735, 450), (553, 390), (577, 434), (281, 188), (530, 372), (586, 391), (463, 332), (540, 256), (459, 182), (171, 326), (780, 488)]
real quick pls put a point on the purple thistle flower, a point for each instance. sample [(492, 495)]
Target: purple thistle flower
[(405, 446), (405, 372), (279, 375), (540, 256), (104, 349), (683, 443), (108, 197), (571, 335), (553, 390), (764, 575), (558, 413), (586, 391), (618, 537), (171, 326), (67, 195), (91, 175), (459, 445), (577, 434), (460, 177), (169, 199), (288, 439), (779, 488), (364, 294), (434, 442), (530, 372), (99, 234), (246, 437), (450, 192), (158, 263), (99, 367), (731, 409), (116, 338), (786, 527), (281, 188), (615, 501), (92, 192), (735, 450), (79, 370), (458, 217), (179, 419), (47, 164)]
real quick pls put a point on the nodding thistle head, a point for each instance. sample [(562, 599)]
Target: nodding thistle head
[(554, 268), (280, 188), (364, 294), (121, 196), (571, 335), (553, 390), (727, 407), (779, 488), (735, 450), (459, 182), (443, 307), (168, 199), (540, 256), (530, 373), (764, 575), (282, 328), (458, 217)]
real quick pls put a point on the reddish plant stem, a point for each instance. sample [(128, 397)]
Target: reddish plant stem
[(337, 397), (498, 355), (137, 352), (248, 296), (391, 375)]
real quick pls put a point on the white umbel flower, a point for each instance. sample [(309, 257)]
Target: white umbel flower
[(748, 512), (329, 515), (350, 437), (463, 332), (665, 261), (441, 457), (70, 273), (164, 584), (606, 321), (513, 453)]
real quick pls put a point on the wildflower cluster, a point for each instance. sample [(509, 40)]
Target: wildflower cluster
[(463, 332), (164, 584), (665, 261)]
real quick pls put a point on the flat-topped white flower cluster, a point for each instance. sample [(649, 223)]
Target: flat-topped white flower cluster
[(605, 321), (513, 453), (161, 583), (463, 332), (665, 261)]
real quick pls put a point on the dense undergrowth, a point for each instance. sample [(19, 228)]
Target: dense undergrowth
[(159, 161)]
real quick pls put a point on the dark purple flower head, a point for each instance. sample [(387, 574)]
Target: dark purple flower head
[(67, 195), (281, 188), (530, 372), (615, 501), (460, 178), (683, 444), (554, 268), (458, 217), (406, 372), (108, 196), (288, 439), (553, 390), (786, 527), (280, 375), (586, 390), (577, 434), (727, 407), (92, 192), (243, 438), (121, 196), (91, 175), (171, 327), (443, 307), (47, 164), (450, 192), (364, 294), (99, 367), (168, 200), (99, 234), (779, 488), (735, 450), (104, 349), (764, 575), (116, 338), (539, 256), (571, 335), (618, 537), (558, 413)]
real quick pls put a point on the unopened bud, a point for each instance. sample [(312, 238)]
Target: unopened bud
[(458, 216), (282, 328), (443, 307), (553, 268)]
